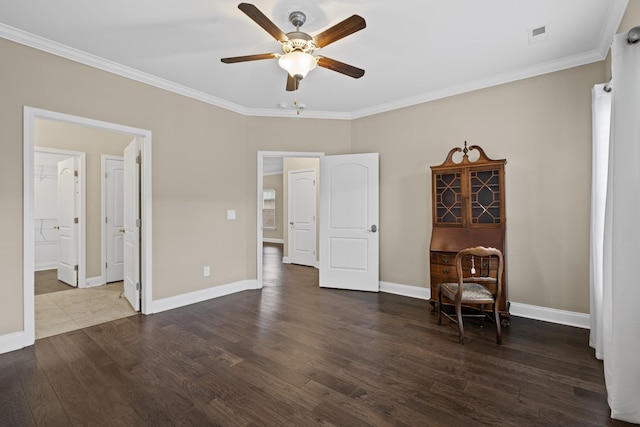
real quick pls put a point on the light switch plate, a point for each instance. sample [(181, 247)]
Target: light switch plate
[(231, 214)]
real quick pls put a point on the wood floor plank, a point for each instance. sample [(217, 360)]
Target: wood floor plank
[(14, 405), (295, 354), (43, 401), (77, 401)]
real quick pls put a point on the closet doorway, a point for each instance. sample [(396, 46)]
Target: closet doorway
[(83, 135)]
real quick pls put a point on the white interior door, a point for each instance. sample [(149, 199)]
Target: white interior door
[(349, 238), (114, 221), (302, 217), (67, 221), (131, 222)]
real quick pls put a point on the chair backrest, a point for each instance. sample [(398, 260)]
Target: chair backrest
[(488, 272)]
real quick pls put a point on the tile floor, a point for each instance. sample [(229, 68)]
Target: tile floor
[(66, 311)]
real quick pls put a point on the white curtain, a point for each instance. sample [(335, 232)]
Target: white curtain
[(601, 112), (616, 331)]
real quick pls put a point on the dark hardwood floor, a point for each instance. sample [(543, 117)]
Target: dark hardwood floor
[(293, 354)]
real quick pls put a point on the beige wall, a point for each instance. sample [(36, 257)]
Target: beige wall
[(292, 164), (542, 126), (195, 149), (93, 142), (275, 181)]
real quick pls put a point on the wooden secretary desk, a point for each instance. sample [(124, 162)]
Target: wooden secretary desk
[(468, 210)]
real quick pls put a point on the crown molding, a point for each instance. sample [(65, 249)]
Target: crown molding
[(304, 114), (76, 55), (612, 22), (520, 74), (613, 19)]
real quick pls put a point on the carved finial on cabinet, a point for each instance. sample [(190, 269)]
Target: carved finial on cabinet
[(482, 157)]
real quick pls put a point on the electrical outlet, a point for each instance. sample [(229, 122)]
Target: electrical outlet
[(206, 271)]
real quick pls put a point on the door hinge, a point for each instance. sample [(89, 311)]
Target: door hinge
[(106, 174), (314, 182), (75, 173), (138, 286), (106, 220), (139, 159), (75, 220), (138, 222), (106, 265), (75, 268)]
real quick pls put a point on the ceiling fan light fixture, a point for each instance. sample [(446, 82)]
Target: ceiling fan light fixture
[(297, 64)]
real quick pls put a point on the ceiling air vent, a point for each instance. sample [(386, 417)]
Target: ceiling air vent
[(538, 34)]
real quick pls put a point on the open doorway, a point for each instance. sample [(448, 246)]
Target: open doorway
[(348, 216), (277, 242), (92, 269)]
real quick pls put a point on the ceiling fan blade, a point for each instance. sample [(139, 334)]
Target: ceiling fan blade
[(259, 18), (292, 84), (246, 58), (340, 30), (340, 67)]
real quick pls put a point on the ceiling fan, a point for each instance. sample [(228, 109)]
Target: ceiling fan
[(298, 46)]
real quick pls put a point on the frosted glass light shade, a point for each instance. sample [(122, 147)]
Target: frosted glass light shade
[(297, 63)]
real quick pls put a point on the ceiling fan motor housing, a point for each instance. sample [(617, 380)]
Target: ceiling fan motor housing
[(297, 18)]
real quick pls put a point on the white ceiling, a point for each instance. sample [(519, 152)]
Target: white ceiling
[(412, 50)]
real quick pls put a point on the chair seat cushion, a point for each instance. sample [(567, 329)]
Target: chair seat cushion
[(470, 291)]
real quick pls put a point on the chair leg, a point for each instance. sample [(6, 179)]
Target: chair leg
[(460, 325), (496, 316), (439, 305)]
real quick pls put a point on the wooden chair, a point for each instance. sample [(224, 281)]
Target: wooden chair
[(473, 290)]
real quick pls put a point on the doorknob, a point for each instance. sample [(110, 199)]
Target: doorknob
[(373, 228), (291, 223), (122, 230)]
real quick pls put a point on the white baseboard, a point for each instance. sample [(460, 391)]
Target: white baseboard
[(546, 314), (94, 281), (562, 317), (286, 260), (405, 290), (266, 240), (12, 342), (46, 266), (202, 295), (16, 340)]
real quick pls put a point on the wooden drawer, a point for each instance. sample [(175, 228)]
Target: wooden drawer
[(443, 258), (443, 263)]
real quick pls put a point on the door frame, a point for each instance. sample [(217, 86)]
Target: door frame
[(103, 212), (30, 114), (259, 196), (82, 214)]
